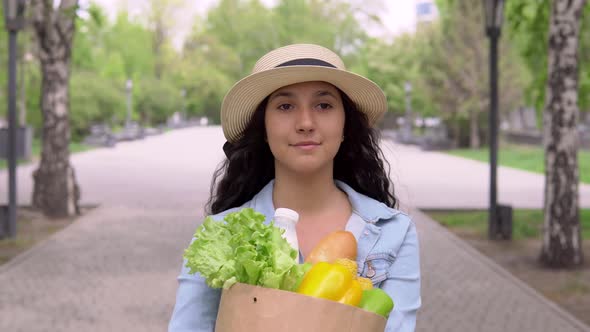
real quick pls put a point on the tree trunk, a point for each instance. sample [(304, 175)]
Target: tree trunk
[(474, 141), (562, 241), (56, 191)]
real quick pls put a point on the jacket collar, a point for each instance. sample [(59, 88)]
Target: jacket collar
[(369, 209)]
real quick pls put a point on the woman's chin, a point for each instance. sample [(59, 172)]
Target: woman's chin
[(308, 168)]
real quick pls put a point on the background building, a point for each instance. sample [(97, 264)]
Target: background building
[(426, 11)]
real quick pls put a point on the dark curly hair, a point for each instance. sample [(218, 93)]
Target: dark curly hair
[(249, 165)]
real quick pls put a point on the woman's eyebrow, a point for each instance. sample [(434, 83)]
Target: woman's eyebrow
[(281, 94), (325, 93), (320, 93)]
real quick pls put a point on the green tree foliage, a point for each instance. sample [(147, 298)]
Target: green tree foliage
[(133, 43), (446, 61), (160, 16), (392, 65), (118, 51), (88, 40), (105, 55), (94, 100), (527, 24), (447, 64), (206, 70), (224, 46), (156, 101), (33, 95), (463, 34)]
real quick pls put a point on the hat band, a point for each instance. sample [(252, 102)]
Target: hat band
[(306, 62)]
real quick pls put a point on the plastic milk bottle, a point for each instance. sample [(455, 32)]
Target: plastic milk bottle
[(287, 219)]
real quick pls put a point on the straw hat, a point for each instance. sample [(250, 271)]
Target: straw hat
[(295, 64)]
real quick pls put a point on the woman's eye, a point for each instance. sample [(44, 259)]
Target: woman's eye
[(324, 106), (285, 107)]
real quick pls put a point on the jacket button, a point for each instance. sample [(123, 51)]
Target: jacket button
[(371, 272)]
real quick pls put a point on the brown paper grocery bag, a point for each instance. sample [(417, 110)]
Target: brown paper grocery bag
[(247, 308)]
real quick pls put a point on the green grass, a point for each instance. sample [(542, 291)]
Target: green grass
[(524, 157), (526, 223), (36, 152)]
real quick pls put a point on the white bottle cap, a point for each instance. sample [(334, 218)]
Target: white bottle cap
[(287, 214)]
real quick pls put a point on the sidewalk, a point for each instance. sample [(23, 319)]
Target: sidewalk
[(115, 268), (112, 270), (463, 290), (430, 180)]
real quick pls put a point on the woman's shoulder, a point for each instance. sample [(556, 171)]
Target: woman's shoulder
[(397, 221), (396, 231)]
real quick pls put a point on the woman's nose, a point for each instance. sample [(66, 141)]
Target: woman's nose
[(305, 121)]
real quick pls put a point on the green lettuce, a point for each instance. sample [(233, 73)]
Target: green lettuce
[(244, 249)]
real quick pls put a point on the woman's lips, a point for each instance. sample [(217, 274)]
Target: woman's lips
[(306, 145)]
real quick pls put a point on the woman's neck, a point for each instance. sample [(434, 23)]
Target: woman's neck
[(305, 194)]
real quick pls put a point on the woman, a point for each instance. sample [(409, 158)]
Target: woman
[(300, 135)]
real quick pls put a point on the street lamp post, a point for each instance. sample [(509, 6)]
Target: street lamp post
[(500, 221), (129, 89), (14, 11)]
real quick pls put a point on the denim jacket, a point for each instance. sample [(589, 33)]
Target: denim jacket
[(388, 254)]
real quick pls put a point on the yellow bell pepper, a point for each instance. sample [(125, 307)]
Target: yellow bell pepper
[(332, 282)]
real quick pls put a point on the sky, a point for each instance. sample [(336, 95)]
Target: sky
[(398, 16)]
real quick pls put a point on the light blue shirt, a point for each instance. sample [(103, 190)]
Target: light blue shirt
[(355, 225), (388, 254)]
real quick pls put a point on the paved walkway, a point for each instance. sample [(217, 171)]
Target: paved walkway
[(463, 290), (438, 180), (115, 268)]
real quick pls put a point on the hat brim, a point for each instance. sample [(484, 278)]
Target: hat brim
[(241, 101)]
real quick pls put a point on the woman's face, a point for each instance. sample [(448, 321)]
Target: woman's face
[(304, 126)]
